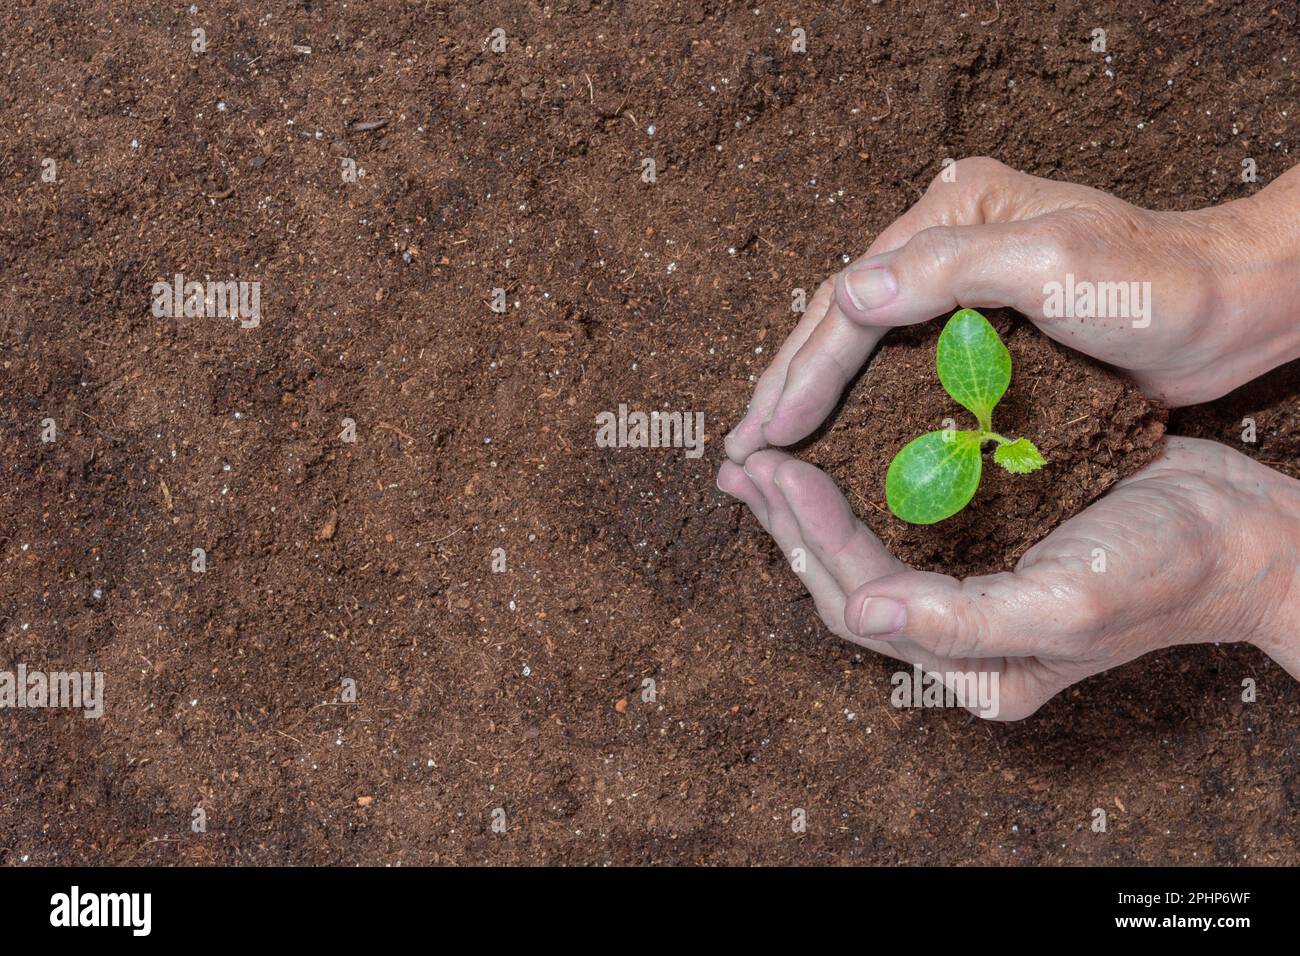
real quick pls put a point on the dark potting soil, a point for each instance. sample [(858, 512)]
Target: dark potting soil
[(1261, 419), (372, 561)]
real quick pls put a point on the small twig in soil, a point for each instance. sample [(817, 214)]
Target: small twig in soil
[(159, 840), (394, 428), (446, 536)]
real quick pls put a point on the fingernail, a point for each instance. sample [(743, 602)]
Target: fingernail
[(880, 616), (870, 288)]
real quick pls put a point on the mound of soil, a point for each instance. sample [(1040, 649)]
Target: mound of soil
[(1093, 427)]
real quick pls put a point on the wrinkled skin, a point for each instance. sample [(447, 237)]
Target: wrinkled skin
[(1187, 559), (1202, 545)]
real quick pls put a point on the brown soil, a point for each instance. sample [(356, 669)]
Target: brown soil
[(1091, 425), (372, 561), (1271, 403)]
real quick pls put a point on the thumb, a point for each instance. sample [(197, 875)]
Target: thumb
[(943, 268), (1042, 611)]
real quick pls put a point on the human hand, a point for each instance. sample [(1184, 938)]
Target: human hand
[(1219, 309), (1202, 545)]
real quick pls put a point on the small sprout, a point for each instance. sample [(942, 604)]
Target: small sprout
[(935, 476), (1019, 457)]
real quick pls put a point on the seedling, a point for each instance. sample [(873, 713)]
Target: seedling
[(933, 477)]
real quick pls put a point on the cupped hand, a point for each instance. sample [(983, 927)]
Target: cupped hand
[(1202, 545), (984, 235)]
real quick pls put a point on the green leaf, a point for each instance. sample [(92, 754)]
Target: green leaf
[(1019, 457), (974, 366), (934, 476)]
